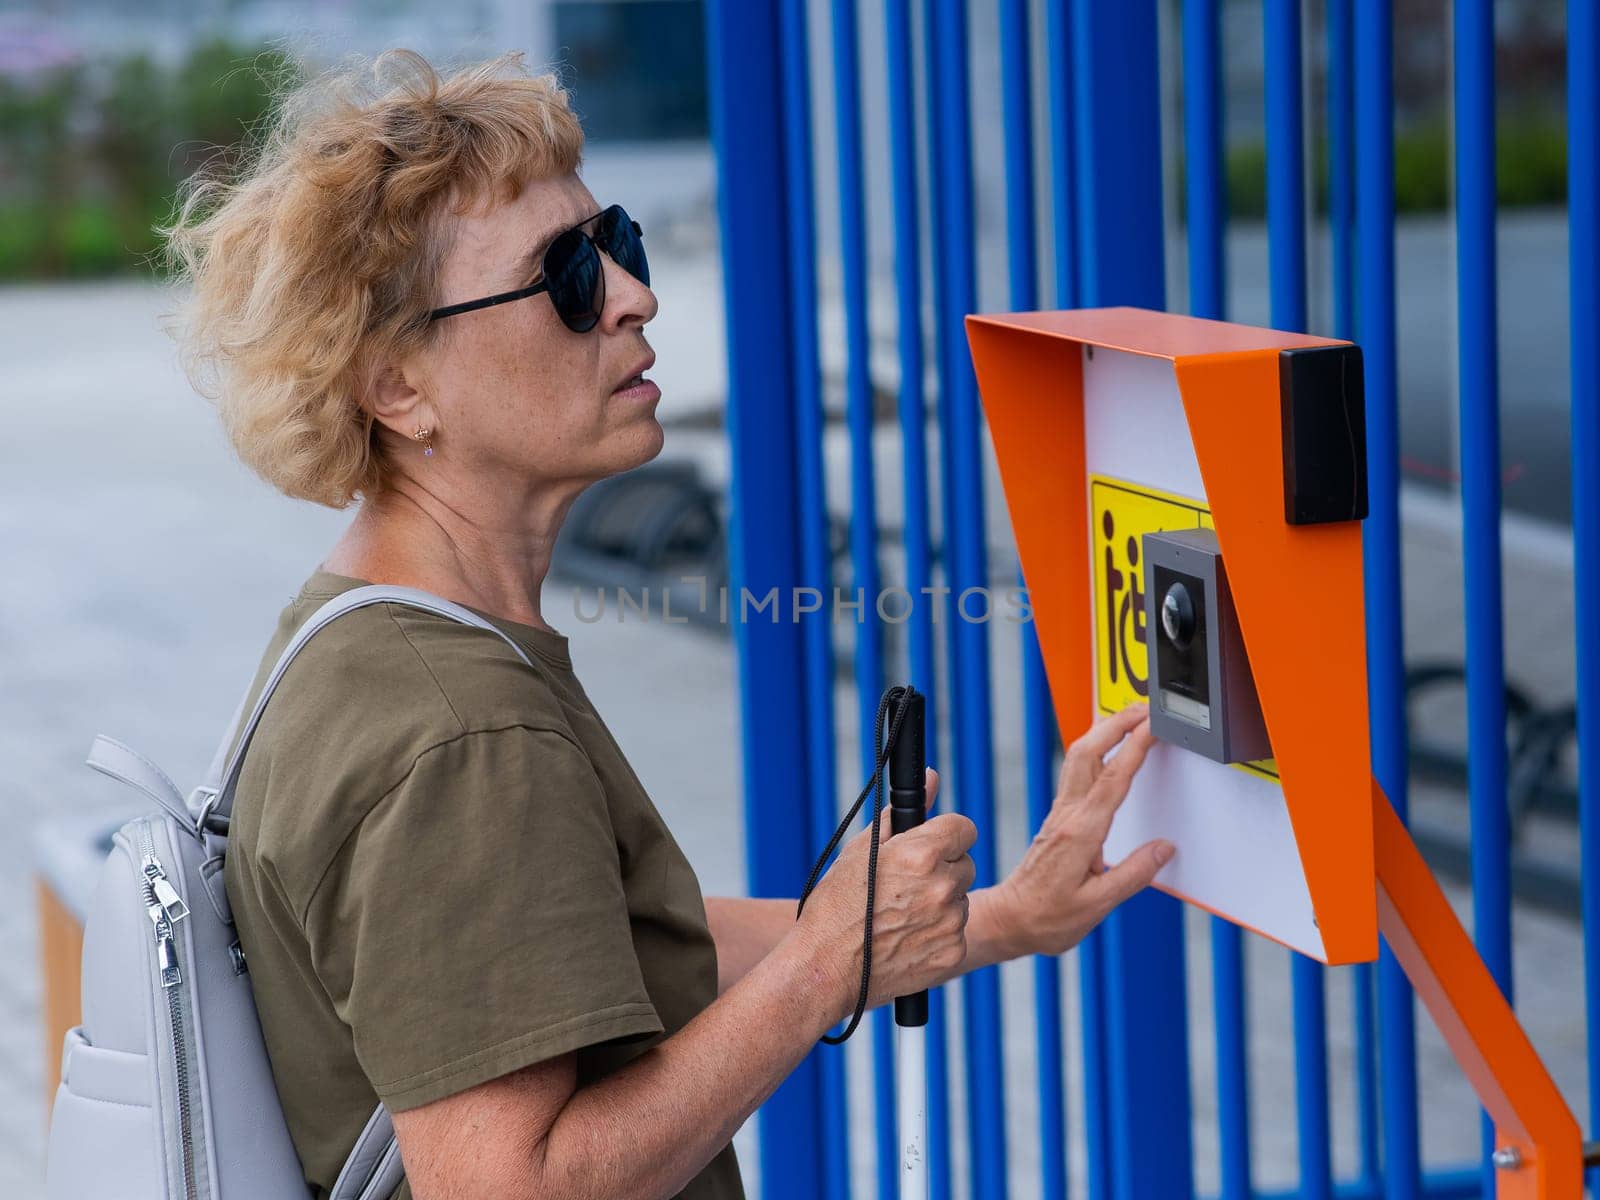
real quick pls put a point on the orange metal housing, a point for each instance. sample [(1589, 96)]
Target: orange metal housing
[(1362, 867), (1029, 368)]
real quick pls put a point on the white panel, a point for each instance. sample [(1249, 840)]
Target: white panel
[(1133, 422), (1236, 848)]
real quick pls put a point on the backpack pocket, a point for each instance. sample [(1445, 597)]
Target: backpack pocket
[(103, 1128)]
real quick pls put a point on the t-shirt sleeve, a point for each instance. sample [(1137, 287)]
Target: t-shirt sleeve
[(475, 921)]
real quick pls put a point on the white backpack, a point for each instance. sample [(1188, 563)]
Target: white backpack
[(166, 1092)]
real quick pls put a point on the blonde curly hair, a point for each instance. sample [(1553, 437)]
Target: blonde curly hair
[(315, 258)]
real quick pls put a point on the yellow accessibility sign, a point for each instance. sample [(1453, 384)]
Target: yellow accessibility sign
[(1122, 513)]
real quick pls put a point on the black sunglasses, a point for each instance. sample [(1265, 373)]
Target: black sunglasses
[(572, 272)]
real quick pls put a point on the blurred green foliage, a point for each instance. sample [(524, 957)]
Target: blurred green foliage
[(91, 155), (1530, 168)]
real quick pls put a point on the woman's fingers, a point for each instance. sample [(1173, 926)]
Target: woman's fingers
[(1101, 737), (1133, 874), (952, 833), (964, 870), (1124, 764), (1101, 802), (1082, 764)]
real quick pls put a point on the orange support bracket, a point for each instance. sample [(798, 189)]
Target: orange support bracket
[(1535, 1132)]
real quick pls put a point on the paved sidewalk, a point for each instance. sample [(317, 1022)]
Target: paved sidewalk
[(146, 569)]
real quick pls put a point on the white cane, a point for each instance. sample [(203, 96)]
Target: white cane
[(907, 808), (911, 1107), (903, 709)]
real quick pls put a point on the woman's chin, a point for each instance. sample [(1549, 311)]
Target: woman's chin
[(644, 441)]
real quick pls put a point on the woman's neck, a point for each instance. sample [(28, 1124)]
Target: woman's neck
[(414, 540)]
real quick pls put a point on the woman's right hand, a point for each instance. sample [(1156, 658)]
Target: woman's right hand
[(919, 917)]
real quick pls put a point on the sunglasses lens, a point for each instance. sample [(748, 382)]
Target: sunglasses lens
[(577, 283), (620, 237)]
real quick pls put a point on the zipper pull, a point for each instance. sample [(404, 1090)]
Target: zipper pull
[(167, 955), (166, 895)]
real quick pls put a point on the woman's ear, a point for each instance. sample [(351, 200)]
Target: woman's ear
[(396, 401)]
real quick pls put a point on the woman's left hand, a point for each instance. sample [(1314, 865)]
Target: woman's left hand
[(1062, 888)]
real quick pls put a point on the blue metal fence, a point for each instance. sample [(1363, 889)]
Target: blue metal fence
[(1583, 209), (1099, 148)]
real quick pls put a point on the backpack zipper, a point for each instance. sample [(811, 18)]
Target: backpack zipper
[(165, 907)]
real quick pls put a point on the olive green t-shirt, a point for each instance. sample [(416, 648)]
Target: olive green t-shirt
[(443, 869)]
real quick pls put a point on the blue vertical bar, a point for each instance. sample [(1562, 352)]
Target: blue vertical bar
[(913, 413), (1205, 219), (965, 555), (1286, 188), (1364, 1016), (1117, 153), (746, 69), (1583, 218), (1038, 733), (1480, 501), (1063, 170), (1092, 988), (1064, 219), (1022, 253), (816, 564), (1341, 164), (1016, 93), (1205, 195), (863, 503), (1117, 170), (858, 379), (1341, 206), (1374, 127), (1286, 235), (1230, 999)]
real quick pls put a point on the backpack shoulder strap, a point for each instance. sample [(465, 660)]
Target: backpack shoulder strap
[(214, 797), (374, 1169), (211, 781)]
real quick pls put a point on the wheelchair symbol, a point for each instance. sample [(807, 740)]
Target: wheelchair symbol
[(1125, 602)]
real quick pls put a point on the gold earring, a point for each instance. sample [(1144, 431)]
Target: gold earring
[(421, 435)]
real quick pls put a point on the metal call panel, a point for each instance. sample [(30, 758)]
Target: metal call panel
[(1202, 694)]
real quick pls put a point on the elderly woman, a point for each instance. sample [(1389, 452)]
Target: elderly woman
[(454, 894)]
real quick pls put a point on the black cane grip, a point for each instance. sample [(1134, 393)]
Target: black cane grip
[(907, 809), (908, 797)]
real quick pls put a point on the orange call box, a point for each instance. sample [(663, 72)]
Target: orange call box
[(1235, 457), (1111, 425)]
